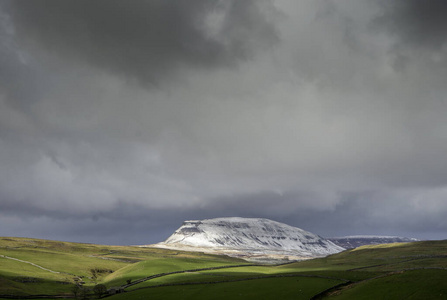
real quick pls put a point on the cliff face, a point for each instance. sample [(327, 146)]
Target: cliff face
[(255, 236)]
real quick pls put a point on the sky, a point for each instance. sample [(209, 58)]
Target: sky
[(119, 120)]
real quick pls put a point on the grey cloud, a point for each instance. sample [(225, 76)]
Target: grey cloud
[(17, 78), (416, 213), (365, 212), (416, 23), (321, 131), (146, 41), (419, 32)]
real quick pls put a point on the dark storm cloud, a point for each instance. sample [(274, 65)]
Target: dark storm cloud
[(146, 40), (415, 214), (17, 76), (356, 213), (15, 79), (331, 119), (417, 23), (420, 32)]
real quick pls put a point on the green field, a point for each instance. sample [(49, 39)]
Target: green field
[(42, 269)]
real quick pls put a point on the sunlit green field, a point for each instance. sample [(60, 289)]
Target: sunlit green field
[(40, 268)]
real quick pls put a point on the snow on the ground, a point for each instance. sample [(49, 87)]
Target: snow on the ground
[(250, 235)]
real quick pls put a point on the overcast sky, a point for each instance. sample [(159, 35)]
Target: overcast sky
[(121, 119)]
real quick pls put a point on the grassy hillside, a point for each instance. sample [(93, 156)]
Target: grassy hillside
[(34, 267), (411, 284), (395, 271)]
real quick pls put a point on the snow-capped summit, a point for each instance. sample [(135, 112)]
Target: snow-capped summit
[(248, 235), (355, 241)]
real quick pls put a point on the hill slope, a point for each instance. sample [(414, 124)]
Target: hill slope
[(354, 241), (31, 269), (249, 238)]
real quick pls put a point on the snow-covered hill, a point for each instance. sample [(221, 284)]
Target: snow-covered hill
[(249, 237), (355, 241)]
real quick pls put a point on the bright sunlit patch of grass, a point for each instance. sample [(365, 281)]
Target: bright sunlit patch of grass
[(115, 265)]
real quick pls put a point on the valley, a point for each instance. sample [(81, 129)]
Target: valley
[(42, 269)]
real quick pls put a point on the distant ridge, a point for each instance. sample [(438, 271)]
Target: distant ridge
[(354, 241), (250, 238)]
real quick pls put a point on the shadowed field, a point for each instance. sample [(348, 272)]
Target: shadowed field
[(40, 269)]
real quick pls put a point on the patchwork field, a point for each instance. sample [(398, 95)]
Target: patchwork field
[(41, 269)]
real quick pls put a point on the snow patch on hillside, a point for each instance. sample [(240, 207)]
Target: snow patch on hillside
[(355, 241), (252, 236)]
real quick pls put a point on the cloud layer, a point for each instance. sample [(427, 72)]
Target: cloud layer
[(146, 41), (326, 115)]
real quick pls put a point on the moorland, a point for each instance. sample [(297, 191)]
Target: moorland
[(44, 269)]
